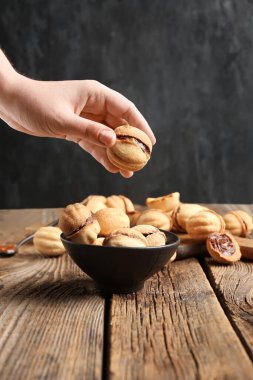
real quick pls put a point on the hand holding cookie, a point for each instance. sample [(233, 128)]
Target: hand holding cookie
[(82, 111)]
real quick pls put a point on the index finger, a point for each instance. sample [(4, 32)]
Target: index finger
[(120, 107)]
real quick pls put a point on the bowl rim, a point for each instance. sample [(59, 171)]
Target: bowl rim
[(175, 242)]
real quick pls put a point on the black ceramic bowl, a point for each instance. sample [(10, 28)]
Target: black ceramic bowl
[(121, 269)]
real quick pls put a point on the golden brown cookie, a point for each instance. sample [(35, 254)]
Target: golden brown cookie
[(47, 240), (120, 201), (125, 237), (154, 236), (238, 222), (204, 223), (182, 213), (223, 248), (166, 203), (98, 241), (72, 217), (99, 198), (95, 205), (78, 224), (111, 219), (173, 258), (156, 218), (132, 149)]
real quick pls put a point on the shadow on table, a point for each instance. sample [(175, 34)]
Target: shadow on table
[(34, 279), (53, 291)]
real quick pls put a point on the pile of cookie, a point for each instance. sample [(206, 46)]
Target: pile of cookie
[(114, 221), (105, 221), (204, 224)]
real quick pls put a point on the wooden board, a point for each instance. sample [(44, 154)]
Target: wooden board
[(246, 247), (234, 287), (174, 329), (51, 316), (190, 248)]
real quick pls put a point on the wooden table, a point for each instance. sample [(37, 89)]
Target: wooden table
[(193, 320)]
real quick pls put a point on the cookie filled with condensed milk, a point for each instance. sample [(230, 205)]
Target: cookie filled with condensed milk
[(132, 149)]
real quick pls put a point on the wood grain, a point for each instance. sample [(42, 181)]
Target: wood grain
[(234, 287), (189, 247), (174, 329), (51, 316), (13, 223), (246, 247)]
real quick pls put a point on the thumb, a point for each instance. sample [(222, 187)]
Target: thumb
[(91, 131)]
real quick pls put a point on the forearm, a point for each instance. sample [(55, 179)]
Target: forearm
[(8, 78)]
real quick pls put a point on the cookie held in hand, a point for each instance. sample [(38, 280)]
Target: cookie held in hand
[(78, 224), (132, 149)]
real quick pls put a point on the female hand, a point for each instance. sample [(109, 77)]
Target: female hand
[(83, 111)]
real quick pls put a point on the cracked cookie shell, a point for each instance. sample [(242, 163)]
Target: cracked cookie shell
[(166, 203), (223, 248)]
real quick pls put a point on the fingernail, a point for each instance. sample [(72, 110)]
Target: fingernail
[(107, 137)]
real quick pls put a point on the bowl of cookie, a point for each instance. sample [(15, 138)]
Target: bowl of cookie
[(117, 254)]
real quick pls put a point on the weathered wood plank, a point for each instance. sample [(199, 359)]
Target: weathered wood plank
[(224, 208), (13, 223), (174, 329), (51, 316), (234, 287)]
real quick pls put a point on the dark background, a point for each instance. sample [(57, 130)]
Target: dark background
[(187, 65)]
